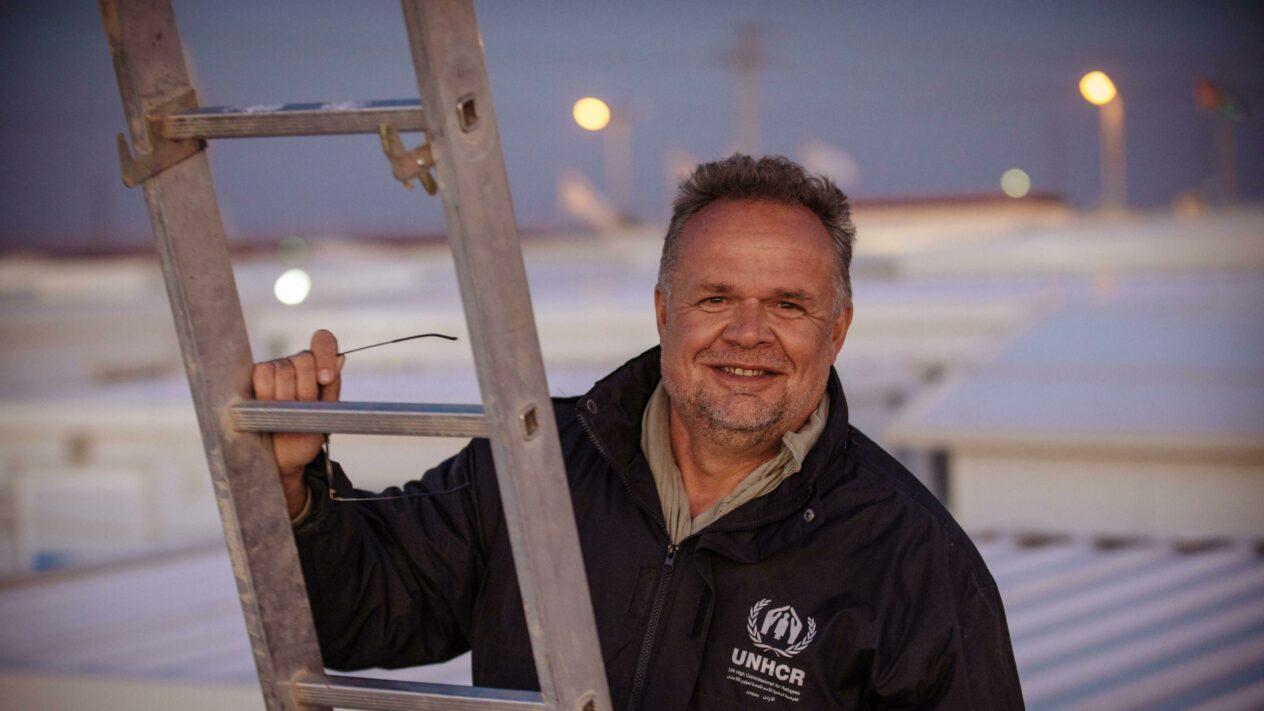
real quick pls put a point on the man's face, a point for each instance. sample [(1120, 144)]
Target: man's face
[(750, 326)]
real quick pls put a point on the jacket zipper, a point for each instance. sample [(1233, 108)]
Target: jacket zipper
[(664, 578), (656, 611), (583, 422), (647, 645)]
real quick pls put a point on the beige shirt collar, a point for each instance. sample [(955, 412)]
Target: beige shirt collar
[(656, 444)]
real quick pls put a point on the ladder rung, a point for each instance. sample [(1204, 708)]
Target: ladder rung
[(388, 418), (293, 119), (360, 693)]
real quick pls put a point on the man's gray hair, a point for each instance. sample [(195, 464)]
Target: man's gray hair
[(773, 178)]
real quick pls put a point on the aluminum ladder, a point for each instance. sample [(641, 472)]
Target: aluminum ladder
[(167, 157)]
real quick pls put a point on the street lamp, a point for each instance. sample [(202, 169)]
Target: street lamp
[(593, 114), (1098, 89)]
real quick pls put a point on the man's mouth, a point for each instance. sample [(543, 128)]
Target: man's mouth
[(746, 372)]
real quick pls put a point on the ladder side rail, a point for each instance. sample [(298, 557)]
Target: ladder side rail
[(189, 235), (461, 128)]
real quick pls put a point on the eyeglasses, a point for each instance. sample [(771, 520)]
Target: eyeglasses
[(329, 467)]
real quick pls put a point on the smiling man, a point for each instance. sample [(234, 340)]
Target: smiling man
[(745, 546), (752, 308)]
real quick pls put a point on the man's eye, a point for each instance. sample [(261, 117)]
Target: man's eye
[(714, 300), (788, 305)]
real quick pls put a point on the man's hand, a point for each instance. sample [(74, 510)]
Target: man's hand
[(308, 376)]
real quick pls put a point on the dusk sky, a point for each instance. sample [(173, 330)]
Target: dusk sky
[(927, 99)]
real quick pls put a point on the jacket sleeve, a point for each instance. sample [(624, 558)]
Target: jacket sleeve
[(393, 583), (954, 651), (983, 674)]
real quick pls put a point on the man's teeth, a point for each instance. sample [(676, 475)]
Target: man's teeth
[(742, 371)]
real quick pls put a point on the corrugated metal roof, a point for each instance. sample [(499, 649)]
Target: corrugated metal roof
[(1142, 626), (172, 617)]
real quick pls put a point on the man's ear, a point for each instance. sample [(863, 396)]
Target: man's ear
[(660, 312), (838, 333)]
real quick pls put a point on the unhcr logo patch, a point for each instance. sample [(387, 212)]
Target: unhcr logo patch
[(781, 633), (779, 630)]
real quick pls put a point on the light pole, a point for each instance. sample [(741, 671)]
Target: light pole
[(593, 114), (1099, 90)]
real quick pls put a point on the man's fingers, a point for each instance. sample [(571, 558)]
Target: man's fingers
[(261, 377), (305, 387), (284, 380), (329, 393), (325, 349), (307, 376)]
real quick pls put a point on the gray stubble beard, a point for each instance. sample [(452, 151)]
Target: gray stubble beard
[(721, 428)]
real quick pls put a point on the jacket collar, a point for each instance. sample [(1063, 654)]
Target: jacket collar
[(612, 410)]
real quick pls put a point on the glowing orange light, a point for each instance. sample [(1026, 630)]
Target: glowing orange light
[(1097, 88), (591, 113)]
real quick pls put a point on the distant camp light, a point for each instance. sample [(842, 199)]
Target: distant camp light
[(1097, 88), (292, 287), (1015, 183), (591, 113)]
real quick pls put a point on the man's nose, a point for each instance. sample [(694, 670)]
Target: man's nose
[(749, 326)]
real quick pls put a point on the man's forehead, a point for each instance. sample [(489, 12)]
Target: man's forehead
[(775, 229), (714, 251)]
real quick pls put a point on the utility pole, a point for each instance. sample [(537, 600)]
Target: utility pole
[(617, 148), (1114, 171), (746, 59)]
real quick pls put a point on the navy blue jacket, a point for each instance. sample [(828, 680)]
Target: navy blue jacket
[(849, 586)]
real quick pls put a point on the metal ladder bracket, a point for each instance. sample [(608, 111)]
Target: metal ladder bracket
[(408, 165), (163, 153)]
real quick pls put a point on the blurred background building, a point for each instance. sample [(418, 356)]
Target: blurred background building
[(1059, 279)]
